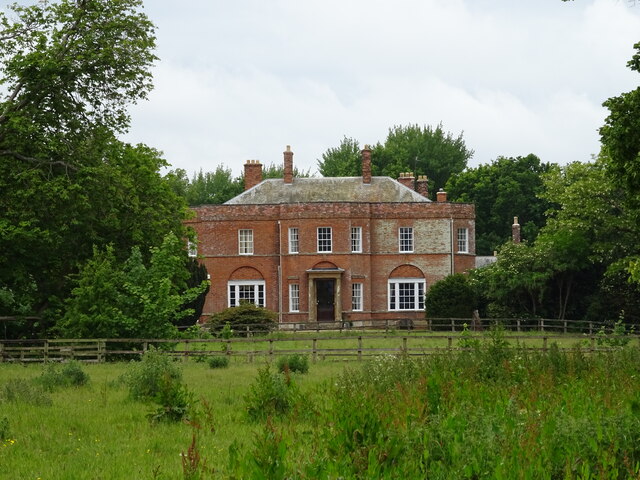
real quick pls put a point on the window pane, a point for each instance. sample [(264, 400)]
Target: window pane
[(406, 239), (294, 241), (406, 294), (294, 297), (324, 239), (356, 239), (245, 242), (356, 296), (463, 240)]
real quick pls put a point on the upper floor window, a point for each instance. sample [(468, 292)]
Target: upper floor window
[(294, 240), (324, 239), (406, 294), (294, 297), (356, 297), (463, 240), (405, 237), (246, 291), (245, 242), (356, 239)]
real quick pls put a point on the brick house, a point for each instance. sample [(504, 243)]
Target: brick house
[(332, 249)]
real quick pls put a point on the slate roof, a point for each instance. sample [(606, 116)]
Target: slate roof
[(327, 189)]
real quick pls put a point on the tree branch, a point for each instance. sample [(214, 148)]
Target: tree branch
[(38, 161)]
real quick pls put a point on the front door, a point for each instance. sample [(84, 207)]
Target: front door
[(325, 299)]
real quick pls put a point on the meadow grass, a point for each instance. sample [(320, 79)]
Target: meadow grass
[(494, 411)]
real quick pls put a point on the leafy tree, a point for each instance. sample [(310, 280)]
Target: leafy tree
[(131, 299), (68, 71), (421, 150), (213, 187), (342, 161), (451, 297), (501, 190)]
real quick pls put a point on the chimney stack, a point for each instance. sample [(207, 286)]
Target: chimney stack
[(366, 165), (515, 230), (441, 195), (288, 165), (406, 179), (422, 186), (252, 174)]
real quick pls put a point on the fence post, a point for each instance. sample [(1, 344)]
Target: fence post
[(565, 326), (518, 325), (544, 344), (227, 347), (541, 323), (1, 352), (449, 343), (145, 347), (271, 347), (186, 350), (359, 348), (101, 348), (314, 354), (453, 325), (590, 328), (404, 345), (46, 350)]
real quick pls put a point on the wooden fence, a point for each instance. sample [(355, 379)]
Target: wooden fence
[(317, 347)]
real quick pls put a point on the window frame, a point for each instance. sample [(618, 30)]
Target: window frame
[(394, 294), (356, 239), (357, 296), (245, 245), (259, 290), (405, 240), (464, 242), (294, 232), (324, 239), (192, 249), (294, 297)]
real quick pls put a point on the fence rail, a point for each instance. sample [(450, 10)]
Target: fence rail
[(318, 347)]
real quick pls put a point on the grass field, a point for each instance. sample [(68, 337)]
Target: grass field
[(494, 412)]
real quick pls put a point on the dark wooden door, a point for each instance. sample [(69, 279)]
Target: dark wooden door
[(325, 297)]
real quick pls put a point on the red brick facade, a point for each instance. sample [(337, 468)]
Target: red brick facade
[(247, 251)]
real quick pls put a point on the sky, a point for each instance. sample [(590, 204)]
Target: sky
[(240, 80)]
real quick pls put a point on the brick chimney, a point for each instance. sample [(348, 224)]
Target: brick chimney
[(288, 165), (406, 179), (515, 231), (441, 196), (366, 165), (422, 186), (252, 173)]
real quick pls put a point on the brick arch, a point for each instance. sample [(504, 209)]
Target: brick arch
[(324, 266), (246, 273), (406, 271)]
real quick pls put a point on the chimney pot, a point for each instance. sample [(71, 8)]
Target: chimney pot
[(422, 185), (406, 179), (441, 195), (252, 174), (515, 231)]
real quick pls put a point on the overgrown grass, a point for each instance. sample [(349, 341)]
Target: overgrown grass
[(494, 411)]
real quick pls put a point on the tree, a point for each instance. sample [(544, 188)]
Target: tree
[(451, 297), (134, 299), (342, 161), (501, 190), (69, 70), (421, 150), (277, 171), (213, 187)]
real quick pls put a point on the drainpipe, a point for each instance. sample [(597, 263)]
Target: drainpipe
[(279, 273), (452, 246)]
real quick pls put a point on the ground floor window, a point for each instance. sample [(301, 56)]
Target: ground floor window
[(294, 297), (406, 294), (356, 297), (246, 291)]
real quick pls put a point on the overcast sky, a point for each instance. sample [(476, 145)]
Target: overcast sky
[(242, 79)]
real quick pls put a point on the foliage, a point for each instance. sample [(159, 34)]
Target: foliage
[(205, 187), (130, 300), (295, 363), (69, 70), (423, 150), (617, 337), (273, 170), (451, 297), (218, 361), (173, 400), (21, 390), (271, 394), (154, 374), (71, 374), (257, 319), (342, 161), (501, 190)]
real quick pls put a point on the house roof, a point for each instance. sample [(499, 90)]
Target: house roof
[(327, 189)]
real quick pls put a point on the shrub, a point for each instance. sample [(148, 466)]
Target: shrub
[(148, 377), (70, 375), (258, 319), (173, 401), (19, 390), (272, 394), (451, 297), (294, 363), (219, 361)]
